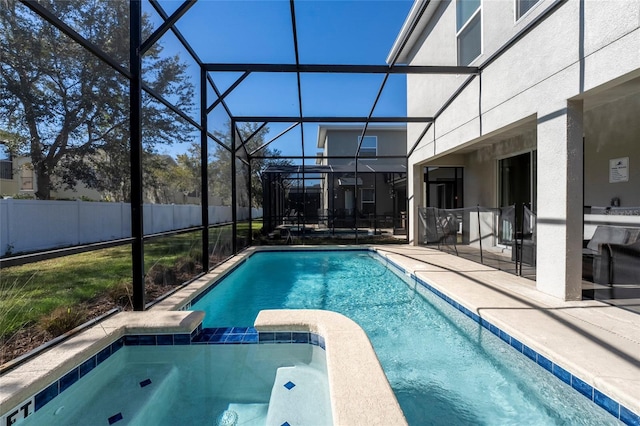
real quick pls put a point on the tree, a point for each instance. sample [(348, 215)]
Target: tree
[(170, 178), (11, 142), (220, 165), (71, 107), (186, 173)]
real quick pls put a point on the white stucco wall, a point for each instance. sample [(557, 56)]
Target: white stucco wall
[(545, 66), (580, 51), (612, 130)]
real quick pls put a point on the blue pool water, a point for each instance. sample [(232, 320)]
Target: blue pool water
[(443, 367), (198, 385)]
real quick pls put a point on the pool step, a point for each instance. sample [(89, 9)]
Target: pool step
[(295, 397)]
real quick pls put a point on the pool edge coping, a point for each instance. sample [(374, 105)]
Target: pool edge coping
[(359, 390)]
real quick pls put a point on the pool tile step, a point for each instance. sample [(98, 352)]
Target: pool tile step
[(294, 399)]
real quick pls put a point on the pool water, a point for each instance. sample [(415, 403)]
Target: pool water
[(198, 384), (443, 367)]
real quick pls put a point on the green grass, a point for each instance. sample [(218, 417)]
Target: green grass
[(32, 291), (168, 250), (256, 226)]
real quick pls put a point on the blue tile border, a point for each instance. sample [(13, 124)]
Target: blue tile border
[(612, 406), (628, 417), (200, 336), (249, 335), (46, 395)]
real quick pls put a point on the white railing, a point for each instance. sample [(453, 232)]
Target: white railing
[(31, 225)]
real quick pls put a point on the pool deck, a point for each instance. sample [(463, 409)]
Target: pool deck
[(596, 342)]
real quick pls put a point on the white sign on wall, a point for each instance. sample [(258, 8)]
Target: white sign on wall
[(619, 170)]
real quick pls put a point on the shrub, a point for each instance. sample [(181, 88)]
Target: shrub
[(186, 265), (162, 275), (122, 294), (62, 320), (195, 253)]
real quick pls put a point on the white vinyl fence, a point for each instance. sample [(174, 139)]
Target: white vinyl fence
[(30, 225)]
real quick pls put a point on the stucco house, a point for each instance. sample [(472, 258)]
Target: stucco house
[(549, 118), (371, 191), (16, 176)]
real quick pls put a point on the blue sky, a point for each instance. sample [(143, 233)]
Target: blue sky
[(329, 32)]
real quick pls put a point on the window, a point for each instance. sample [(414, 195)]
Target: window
[(469, 30), (6, 169), (523, 6), (6, 164), (26, 176), (367, 199), (517, 180), (369, 146), (444, 187)]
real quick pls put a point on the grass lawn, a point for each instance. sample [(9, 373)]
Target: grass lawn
[(29, 292)]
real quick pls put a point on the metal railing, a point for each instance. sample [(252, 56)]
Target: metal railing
[(503, 238)]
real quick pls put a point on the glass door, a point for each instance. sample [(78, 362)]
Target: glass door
[(517, 187), (444, 187)]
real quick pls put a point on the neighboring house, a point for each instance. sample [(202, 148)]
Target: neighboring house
[(373, 192), (551, 120), (16, 177)]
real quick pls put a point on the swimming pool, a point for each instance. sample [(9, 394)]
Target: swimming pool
[(443, 367), (232, 384)]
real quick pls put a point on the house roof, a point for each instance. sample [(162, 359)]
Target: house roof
[(414, 25)]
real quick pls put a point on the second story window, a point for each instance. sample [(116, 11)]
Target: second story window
[(369, 147), (26, 177), (523, 6), (6, 163), (468, 30)]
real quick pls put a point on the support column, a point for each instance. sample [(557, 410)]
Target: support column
[(560, 202), (234, 197), (414, 201), (135, 117), (204, 170), (250, 202)]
